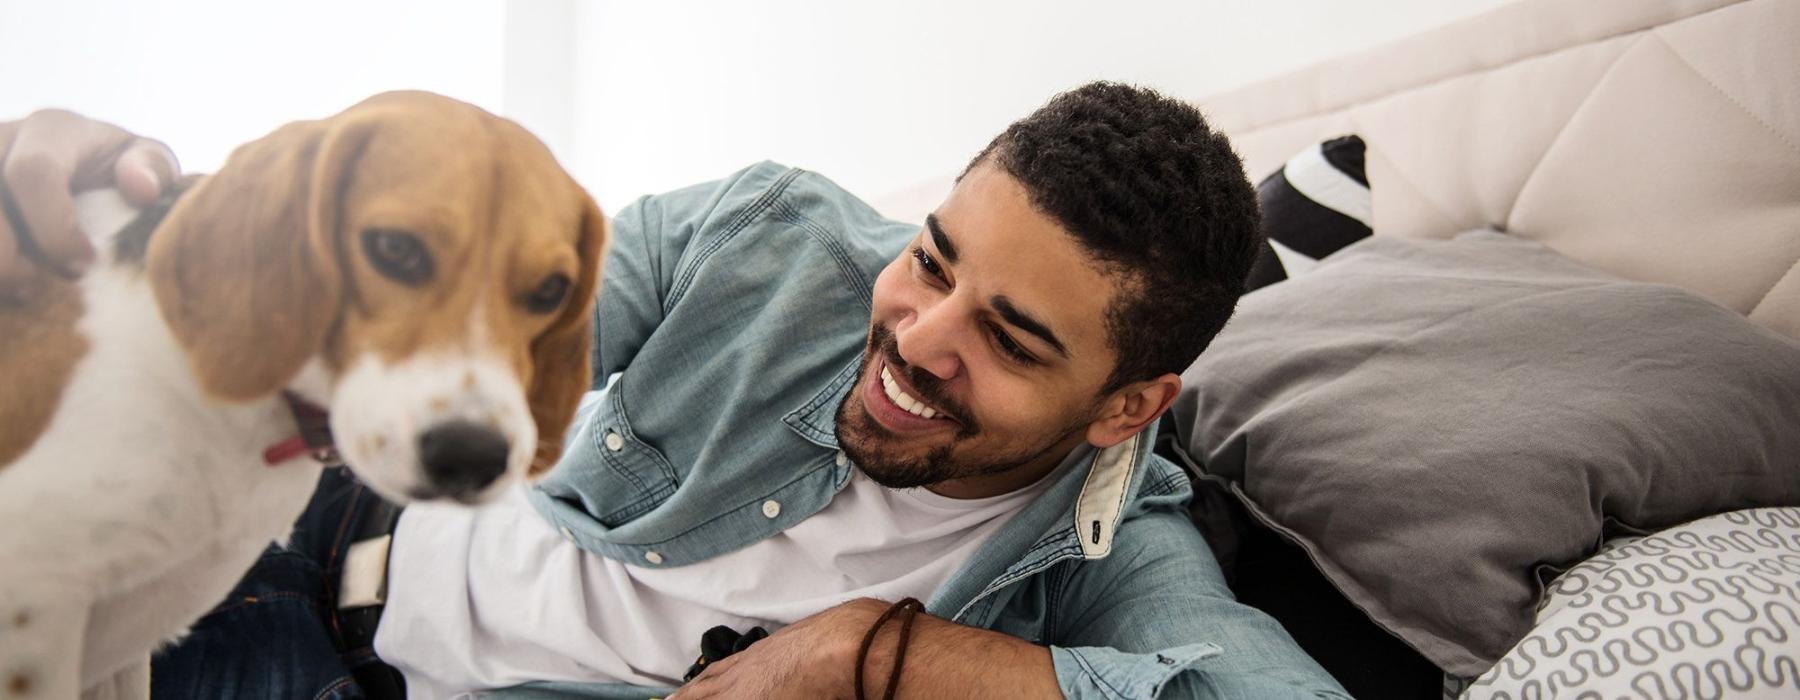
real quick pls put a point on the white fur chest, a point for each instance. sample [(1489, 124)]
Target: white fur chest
[(143, 501)]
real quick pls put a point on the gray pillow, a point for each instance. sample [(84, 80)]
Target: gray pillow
[(1443, 425)]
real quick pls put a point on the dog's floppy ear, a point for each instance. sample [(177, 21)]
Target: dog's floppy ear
[(245, 268), (560, 356)]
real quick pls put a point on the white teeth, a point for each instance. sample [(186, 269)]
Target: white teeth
[(903, 399)]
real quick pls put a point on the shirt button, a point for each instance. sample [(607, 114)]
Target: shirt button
[(842, 459), (771, 509), (567, 535), (653, 557), (614, 442)]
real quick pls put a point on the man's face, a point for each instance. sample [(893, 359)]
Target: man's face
[(987, 348)]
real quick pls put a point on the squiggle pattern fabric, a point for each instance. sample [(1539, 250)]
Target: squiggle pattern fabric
[(1709, 609)]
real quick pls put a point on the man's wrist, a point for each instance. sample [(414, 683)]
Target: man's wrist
[(946, 658), (878, 665), (844, 652)]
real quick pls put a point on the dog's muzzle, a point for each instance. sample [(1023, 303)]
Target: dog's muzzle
[(461, 458)]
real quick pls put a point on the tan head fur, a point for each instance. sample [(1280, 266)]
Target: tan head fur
[(277, 260)]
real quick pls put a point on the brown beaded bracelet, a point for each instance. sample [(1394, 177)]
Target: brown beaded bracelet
[(907, 609)]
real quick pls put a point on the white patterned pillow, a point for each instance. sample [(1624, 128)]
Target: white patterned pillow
[(1709, 609)]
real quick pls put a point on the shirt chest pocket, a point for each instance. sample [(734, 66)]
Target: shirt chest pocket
[(609, 471)]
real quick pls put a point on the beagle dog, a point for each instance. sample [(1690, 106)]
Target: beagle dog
[(420, 268)]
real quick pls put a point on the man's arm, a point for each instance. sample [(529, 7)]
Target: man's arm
[(650, 239), (1152, 620), (1155, 619), (816, 657)]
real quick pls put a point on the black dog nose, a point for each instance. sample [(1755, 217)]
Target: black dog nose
[(461, 457)]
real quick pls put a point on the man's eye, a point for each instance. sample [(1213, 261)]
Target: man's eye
[(926, 263), (1011, 347)]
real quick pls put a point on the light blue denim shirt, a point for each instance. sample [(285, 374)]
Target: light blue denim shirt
[(734, 315)]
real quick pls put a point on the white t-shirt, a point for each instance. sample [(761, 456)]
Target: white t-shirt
[(494, 597)]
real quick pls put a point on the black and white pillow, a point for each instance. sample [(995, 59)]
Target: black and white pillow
[(1315, 205), (1710, 609)]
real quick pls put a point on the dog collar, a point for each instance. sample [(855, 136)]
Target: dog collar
[(314, 437)]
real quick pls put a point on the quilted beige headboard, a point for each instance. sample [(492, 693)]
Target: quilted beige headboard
[(1658, 140)]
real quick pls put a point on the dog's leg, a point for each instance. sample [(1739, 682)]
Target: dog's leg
[(40, 646), (130, 684), (136, 684)]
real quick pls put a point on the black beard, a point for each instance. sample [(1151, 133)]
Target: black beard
[(858, 432)]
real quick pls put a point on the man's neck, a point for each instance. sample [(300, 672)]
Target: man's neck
[(1012, 479)]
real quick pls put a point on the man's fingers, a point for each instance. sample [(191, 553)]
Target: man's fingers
[(722, 666), (708, 683), (13, 271), (691, 690), (145, 169), (52, 152), (37, 187)]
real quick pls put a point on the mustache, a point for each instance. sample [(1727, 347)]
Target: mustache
[(926, 385)]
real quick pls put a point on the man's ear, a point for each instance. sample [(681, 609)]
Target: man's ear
[(1132, 408)]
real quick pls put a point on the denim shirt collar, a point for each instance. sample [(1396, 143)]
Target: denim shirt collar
[(1076, 518), (816, 420)]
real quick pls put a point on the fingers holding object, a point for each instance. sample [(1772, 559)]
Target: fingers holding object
[(145, 170), (47, 156)]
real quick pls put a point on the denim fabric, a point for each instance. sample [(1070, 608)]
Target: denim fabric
[(734, 315), (272, 637)]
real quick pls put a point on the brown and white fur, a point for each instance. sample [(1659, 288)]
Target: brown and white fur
[(140, 397)]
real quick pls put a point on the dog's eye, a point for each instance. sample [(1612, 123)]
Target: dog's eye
[(549, 294), (399, 255)]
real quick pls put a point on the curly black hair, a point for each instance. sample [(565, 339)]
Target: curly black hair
[(1157, 198)]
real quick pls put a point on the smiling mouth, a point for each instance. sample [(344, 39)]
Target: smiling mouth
[(890, 397), (906, 402)]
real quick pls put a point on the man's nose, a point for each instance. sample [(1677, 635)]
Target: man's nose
[(461, 457), (930, 343)]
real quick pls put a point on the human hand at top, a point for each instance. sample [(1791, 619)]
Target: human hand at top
[(44, 159)]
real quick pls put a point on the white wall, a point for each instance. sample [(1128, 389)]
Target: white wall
[(880, 95), (641, 96), (205, 75)]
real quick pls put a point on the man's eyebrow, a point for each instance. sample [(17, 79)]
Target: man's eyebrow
[(945, 249), (1025, 322)]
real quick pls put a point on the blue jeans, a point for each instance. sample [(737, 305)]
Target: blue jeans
[(275, 636)]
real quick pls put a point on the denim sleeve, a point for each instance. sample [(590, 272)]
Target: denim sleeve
[(568, 690), (1154, 619), (650, 239)]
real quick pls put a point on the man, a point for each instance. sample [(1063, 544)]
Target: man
[(808, 412)]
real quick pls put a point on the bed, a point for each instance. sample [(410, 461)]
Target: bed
[(1655, 142)]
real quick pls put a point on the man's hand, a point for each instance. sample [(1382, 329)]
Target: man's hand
[(808, 659), (815, 658), (46, 157)]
